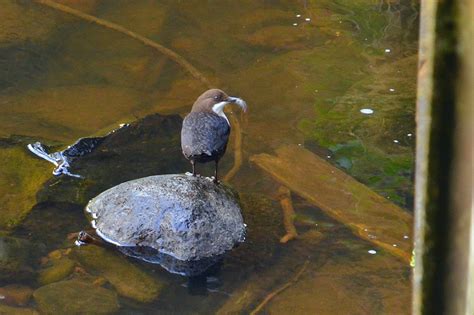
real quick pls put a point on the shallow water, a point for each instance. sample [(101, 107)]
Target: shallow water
[(334, 77)]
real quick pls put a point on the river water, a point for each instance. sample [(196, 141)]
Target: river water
[(336, 78)]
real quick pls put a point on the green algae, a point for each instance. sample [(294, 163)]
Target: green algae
[(376, 24), (377, 149)]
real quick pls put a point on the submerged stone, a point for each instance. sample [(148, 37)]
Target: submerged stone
[(127, 279), (75, 297), (16, 257), (59, 269), (10, 310), (15, 295), (187, 218)]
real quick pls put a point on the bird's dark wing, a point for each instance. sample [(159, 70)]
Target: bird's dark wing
[(204, 134)]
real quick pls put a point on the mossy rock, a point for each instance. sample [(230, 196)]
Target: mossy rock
[(127, 279), (21, 175), (57, 271), (75, 297)]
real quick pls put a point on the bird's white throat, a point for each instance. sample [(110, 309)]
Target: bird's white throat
[(219, 110)]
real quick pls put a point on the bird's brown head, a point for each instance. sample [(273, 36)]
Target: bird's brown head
[(214, 100)]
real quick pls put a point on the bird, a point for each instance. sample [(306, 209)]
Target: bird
[(205, 131)]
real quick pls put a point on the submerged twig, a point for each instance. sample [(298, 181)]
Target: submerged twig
[(167, 52), (284, 196), (271, 295)]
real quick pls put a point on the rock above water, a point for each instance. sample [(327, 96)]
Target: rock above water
[(188, 218), (75, 297)]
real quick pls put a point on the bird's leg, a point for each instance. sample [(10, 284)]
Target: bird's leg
[(194, 167), (215, 173)]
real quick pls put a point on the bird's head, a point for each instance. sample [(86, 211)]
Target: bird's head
[(214, 100)]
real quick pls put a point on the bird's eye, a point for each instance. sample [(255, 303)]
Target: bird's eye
[(216, 97)]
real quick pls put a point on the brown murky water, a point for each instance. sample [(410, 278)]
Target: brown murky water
[(335, 77)]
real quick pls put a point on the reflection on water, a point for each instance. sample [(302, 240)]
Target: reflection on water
[(336, 77)]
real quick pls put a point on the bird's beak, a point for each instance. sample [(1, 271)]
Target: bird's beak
[(238, 101)]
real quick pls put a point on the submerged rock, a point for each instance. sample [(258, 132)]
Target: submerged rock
[(16, 257), (170, 217), (127, 279), (10, 310), (59, 269), (75, 297), (15, 295), (145, 147)]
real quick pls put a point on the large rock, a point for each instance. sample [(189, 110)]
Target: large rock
[(184, 217)]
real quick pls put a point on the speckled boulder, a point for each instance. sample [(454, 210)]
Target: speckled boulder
[(188, 218)]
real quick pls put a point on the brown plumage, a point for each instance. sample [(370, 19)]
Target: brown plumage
[(206, 129)]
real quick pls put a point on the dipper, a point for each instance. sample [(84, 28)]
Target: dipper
[(206, 129)]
